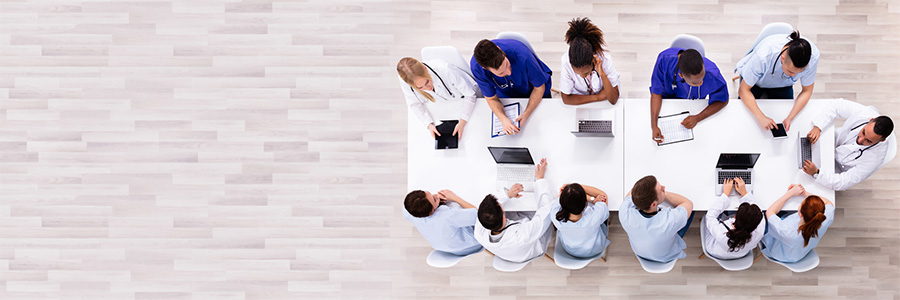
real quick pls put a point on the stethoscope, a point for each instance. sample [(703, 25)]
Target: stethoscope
[(778, 58), (690, 87), (439, 78), (507, 226), (588, 83), (863, 149)]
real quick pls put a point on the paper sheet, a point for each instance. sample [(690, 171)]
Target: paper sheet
[(512, 112), (672, 130)]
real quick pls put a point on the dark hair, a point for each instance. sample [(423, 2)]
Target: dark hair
[(490, 214), (584, 39), (745, 222), (813, 211), (417, 204), (572, 200), (488, 55), (690, 62), (883, 126), (643, 194), (798, 50)]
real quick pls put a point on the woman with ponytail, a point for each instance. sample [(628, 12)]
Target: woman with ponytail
[(771, 70), (432, 81), (581, 215), (732, 235), (791, 237), (588, 74)]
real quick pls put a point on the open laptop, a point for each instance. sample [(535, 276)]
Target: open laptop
[(593, 122), (806, 150), (731, 165), (514, 165)]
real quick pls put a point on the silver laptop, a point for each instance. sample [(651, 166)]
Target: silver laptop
[(731, 165), (514, 165), (806, 150), (593, 122)]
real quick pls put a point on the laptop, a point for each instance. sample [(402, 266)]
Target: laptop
[(807, 151), (514, 165), (731, 165), (593, 122)]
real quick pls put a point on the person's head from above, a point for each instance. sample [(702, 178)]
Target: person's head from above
[(877, 130), (421, 204), (812, 214), (490, 214), (490, 57), (415, 74), (690, 67), (585, 40), (647, 194), (746, 220), (572, 200), (795, 55)]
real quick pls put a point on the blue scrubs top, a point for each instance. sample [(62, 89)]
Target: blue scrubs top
[(666, 82), (528, 71)]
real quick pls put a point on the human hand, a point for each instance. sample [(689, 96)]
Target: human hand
[(601, 197), (448, 195), (598, 65), (521, 119), (433, 130), (657, 134), (540, 169), (740, 186), (813, 135), (457, 131), (509, 127), (690, 121), (727, 186), (766, 122), (787, 124), (795, 190), (810, 168), (513, 192)]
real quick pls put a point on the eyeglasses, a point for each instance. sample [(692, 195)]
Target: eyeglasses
[(508, 84)]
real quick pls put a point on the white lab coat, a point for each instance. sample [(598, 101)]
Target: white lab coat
[(853, 170), (715, 235), (573, 84), (529, 238), (448, 77)]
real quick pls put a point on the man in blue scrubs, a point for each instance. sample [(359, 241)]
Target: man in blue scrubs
[(446, 228), (506, 68), (685, 74)]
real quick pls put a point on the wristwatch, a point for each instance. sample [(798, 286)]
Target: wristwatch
[(816, 175)]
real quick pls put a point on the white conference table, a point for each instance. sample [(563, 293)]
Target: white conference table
[(471, 172), (688, 168)]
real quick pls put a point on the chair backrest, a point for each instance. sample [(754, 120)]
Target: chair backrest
[(737, 264), (503, 265), (566, 261), (892, 149), (687, 41), (441, 259), (770, 29), (448, 54), (512, 35), (656, 267), (809, 262)]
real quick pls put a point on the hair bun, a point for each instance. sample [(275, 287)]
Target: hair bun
[(795, 35)]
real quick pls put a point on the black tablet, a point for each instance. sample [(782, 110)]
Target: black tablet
[(447, 140)]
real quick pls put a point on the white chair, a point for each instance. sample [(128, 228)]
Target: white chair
[(736, 264), (687, 41), (809, 262), (770, 29), (892, 149), (441, 259), (512, 35), (656, 267), (566, 261), (448, 54), (503, 265)]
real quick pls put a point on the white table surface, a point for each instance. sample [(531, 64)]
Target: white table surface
[(688, 168), (470, 171)]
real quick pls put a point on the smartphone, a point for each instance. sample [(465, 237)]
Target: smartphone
[(778, 132)]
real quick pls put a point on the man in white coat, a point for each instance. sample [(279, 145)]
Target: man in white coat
[(516, 240), (858, 147)]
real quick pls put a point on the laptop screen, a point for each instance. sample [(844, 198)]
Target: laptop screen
[(509, 155), (737, 160)]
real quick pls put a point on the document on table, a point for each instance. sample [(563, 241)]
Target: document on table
[(672, 130), (512, 112)]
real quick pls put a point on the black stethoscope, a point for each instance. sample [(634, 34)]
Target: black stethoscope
[(507, 226), (439, 78), (863, 149), (690, 88), (778, 58)]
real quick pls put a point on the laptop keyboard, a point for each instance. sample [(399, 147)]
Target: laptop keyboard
[(598, 126), (805, 149), (515, 173), (723, 174)]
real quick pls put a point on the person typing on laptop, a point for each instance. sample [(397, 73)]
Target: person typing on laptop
[(515, 237), (858, 145), (655, 233), (446, 228)]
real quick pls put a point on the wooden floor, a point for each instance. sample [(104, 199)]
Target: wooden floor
[(257, 150)]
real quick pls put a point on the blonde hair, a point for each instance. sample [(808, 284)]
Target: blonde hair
[(409, 69)]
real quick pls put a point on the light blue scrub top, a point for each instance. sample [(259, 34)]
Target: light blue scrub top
[(784, 242), (448, 229), (587, 237), (762, 67), (655, 238)]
